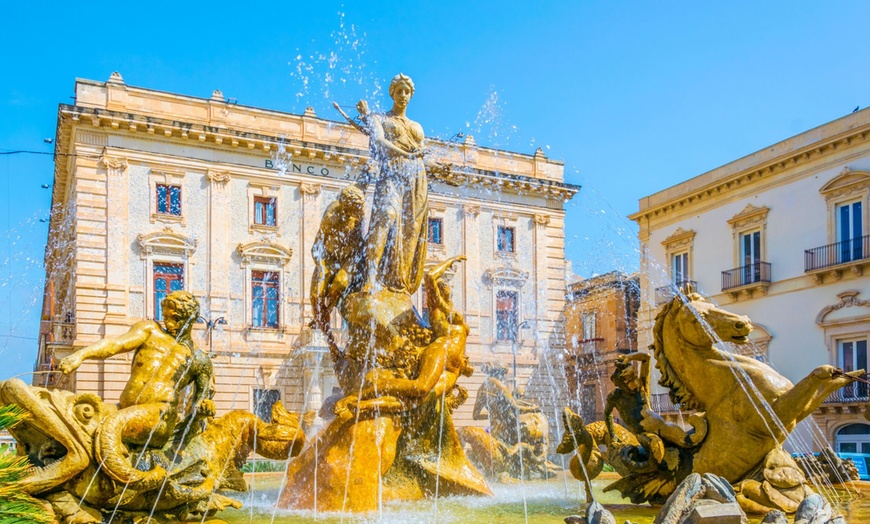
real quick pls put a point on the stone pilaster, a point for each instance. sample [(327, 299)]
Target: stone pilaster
[(219, 250), (117, 250), (311, 215)]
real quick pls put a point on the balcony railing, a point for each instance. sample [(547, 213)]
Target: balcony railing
[(755, 273), (856, 392), (836, 254), (666, 293)]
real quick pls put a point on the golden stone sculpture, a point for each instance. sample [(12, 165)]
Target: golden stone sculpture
[(144, 456), (744, 412), (393, 435), (517, 442)]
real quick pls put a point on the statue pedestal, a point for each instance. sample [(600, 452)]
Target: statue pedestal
[(341, 469)]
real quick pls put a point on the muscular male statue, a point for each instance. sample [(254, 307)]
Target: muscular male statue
[(164, 362)]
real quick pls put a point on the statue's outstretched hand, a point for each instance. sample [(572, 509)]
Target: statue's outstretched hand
[(70, 364)]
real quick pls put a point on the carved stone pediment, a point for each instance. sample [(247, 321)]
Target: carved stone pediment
[(751, 215), (264, 251), (505, 276), (847, 182), (847, 299), (679, 239), (166, 242)]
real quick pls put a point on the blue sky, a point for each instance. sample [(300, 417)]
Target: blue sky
[(633, 96)]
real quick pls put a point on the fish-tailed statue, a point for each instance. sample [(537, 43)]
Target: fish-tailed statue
[(744, 409), (516, 444), (145, 455)]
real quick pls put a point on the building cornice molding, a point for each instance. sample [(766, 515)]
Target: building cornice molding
[(228, 138), (761, 171)]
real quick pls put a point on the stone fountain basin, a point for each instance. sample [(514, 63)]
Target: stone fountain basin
[(547, 501)]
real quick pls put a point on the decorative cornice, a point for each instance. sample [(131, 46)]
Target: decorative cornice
[(218, 177), (505, 276), (760, 171), (847, 299), (750, 215), (264, 251), (232, 139), (679, 239)]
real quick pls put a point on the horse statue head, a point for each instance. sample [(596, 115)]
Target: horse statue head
[(689, 322)]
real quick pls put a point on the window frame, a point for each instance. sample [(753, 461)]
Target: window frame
[(261, 216), (172, 208), (516, 317), (439, 229), (157, 273), (258, 276), (499, 247), (169, 177)]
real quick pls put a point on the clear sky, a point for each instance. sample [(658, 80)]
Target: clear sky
[(633, 96)]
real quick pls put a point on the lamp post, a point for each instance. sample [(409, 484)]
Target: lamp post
[(210, 325), (515, 346)]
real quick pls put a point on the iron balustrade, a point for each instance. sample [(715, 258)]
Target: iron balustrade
[(838, 253), (755, 273), (854, 392), (661, 403), (666, 293)]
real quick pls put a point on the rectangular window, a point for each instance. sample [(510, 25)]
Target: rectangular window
[(588, 402), (850, 230), (680, 268), (264, 211), (750, 254), (265, 297), (852, 355), (168, 199), (264, 399), (588, 325), (167, 278), (505, 242), (506, 315), (435, 230)]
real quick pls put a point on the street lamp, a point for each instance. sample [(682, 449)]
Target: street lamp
[(515, 346), (210, 325)]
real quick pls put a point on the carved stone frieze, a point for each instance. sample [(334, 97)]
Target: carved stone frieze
[(218, 177), (848, 182), (749, 217)]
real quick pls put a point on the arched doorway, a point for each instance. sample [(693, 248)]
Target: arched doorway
[(853, 438)]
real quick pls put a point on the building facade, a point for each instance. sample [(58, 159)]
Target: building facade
[(155, 192), (780, 236), (600, 325)]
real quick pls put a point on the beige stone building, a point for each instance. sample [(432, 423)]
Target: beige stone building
[(155, 191), (600, 325), (780, 235)]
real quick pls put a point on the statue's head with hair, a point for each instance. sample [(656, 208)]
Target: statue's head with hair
[(399, 80), (180, 310)]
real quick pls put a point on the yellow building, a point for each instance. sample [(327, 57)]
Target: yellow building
[(780, 235), (600, 325), (156, 191)]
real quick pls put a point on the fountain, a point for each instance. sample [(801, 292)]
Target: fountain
[(389, 439)]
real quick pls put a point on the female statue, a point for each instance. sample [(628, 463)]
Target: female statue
[(397, 235)]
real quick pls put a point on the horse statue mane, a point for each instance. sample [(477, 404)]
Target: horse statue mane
[(677, 390)]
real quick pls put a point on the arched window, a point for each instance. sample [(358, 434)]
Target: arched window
[(853, 438)]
